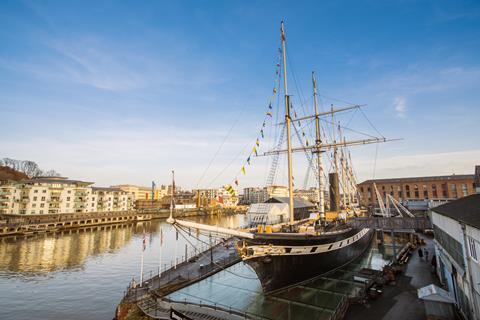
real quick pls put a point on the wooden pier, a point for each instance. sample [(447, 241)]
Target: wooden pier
[(11, 225)]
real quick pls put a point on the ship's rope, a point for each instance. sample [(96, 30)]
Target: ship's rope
[(219, 148)]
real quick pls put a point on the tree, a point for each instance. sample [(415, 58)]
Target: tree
[(30, 168)]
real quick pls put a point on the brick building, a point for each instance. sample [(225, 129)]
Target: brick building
[(436, 188)]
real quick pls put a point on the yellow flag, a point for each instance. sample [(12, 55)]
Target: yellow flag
[(243, 170), (255, 150)]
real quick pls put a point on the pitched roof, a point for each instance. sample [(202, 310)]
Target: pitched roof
[(466, 210), (297, 201)]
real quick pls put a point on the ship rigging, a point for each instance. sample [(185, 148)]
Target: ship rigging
[(303, 246)]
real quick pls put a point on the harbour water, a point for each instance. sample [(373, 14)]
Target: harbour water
[(82, 274)]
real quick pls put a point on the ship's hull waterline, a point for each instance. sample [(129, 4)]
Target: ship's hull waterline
[(306, 258)]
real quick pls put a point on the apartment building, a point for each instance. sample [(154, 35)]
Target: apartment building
[(51, 195), (259, 195)]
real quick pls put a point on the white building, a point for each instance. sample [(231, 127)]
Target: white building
[(51, 195), (259, 195), (457, 250)]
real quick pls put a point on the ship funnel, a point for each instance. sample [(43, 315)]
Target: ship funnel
[(334, 192)]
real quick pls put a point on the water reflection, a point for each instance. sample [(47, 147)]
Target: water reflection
[(66, 250), (44, 253), (82, 274)]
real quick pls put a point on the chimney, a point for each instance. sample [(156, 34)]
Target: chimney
[(476, 179)]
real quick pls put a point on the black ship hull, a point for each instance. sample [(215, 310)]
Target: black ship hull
[(276, 271)]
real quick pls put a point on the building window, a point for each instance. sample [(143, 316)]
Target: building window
[(43, 198), (464, 190), (69, 191), (42, 205), (415, 189), (34, 205), (41, 211), (35, 191), (453, 187), (434, 191), (444, 190), (68, 205), (33, 211), (425, 192), (407, 189), (68, 198), (391, 191), (34, 198), (473, 248), (44, 191)]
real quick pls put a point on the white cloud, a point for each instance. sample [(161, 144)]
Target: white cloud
[(400, 105)]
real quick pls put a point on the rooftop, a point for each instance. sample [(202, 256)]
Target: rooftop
[(297, 201), (466, 210), (61, 180), (416, 179)]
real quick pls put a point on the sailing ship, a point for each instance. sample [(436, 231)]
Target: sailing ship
[(303, 247)]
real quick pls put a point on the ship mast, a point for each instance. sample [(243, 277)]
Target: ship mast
[(171, 219), (288, 125), (318, 143)]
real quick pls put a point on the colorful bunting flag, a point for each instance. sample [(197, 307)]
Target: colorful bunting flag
[(274, 90), (243, 170), (269, 114), (270, 106), (261, 131), (255, 150), (257, 143), (263, 125), (236, 182), (248, 160)]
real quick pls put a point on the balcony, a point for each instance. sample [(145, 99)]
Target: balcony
[(54, 200), (5, 192), (3, 206)]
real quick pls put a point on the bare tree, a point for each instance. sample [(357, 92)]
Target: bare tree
[(30, 168), (51, 173)]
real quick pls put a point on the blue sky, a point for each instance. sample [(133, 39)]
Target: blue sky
[(124, 91)]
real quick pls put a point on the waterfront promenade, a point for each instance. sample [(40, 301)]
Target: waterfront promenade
[(11, 225), (400, 301)]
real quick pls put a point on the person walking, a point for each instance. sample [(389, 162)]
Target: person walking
[(425, 252), (420, 253)]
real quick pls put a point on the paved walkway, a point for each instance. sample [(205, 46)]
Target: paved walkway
[(400, 301)]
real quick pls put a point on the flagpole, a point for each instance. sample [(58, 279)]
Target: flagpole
[(175, 252), (141, 263), (161, 249)]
